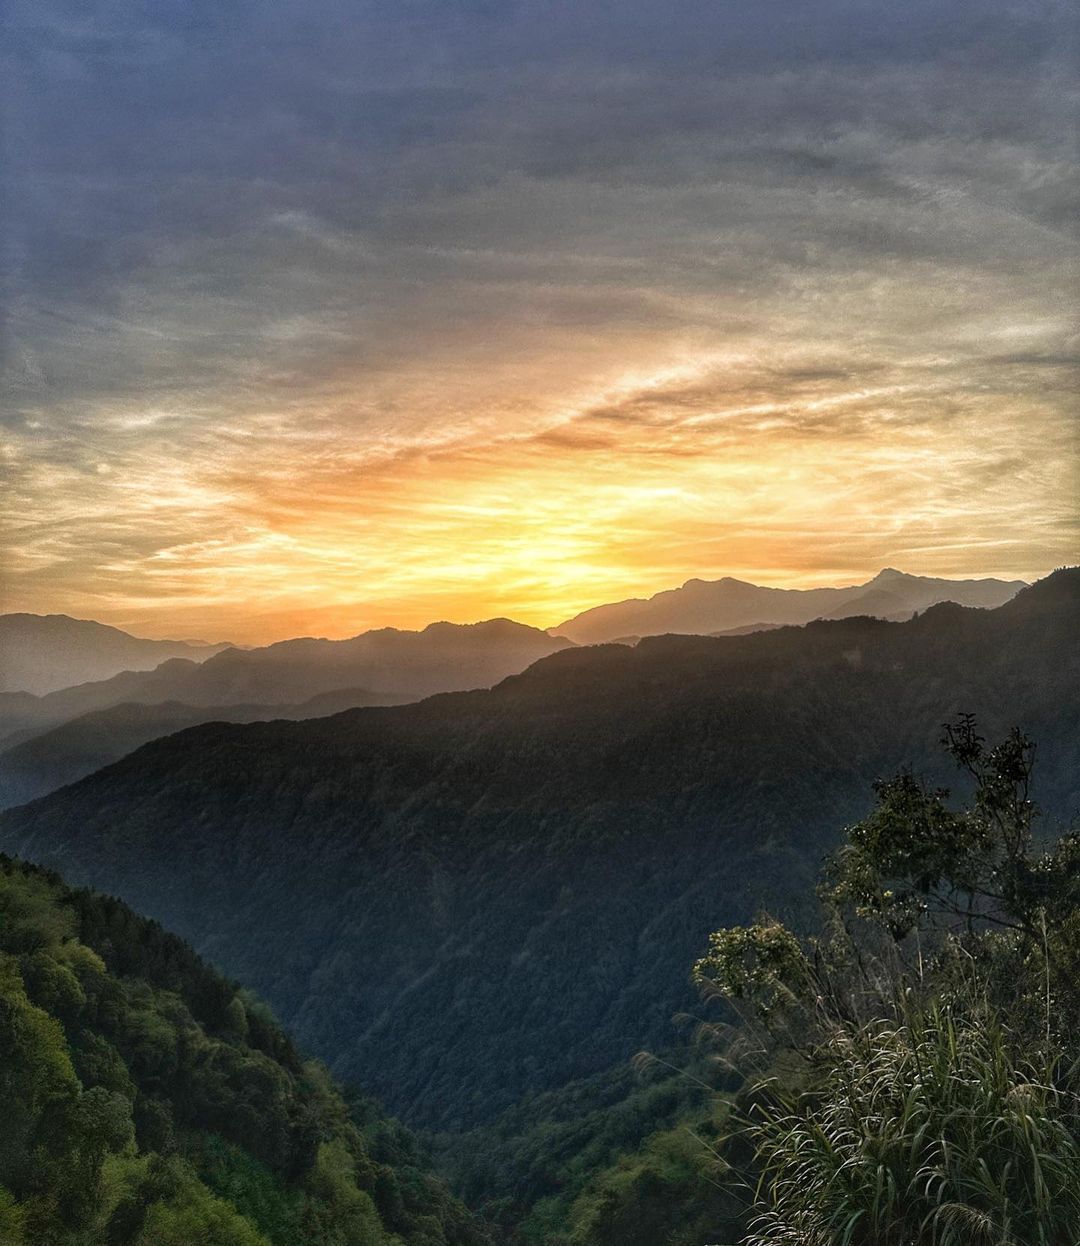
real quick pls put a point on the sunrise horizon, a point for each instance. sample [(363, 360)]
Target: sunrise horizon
[(469, 314), (258, 631)]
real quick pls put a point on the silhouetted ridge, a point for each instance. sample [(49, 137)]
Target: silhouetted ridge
[(391, 665), (550, 852), (712, 606), (42, 653), (1049, 597)]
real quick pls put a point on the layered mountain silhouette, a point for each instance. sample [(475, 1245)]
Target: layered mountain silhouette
[(63, 754), (479, 895), (40, 653), (386, 663), (46, 658), (705, 607)]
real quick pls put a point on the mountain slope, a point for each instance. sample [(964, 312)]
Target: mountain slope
[(703, 607), (487, 893), (147, 1102), (443, 657), (42, 653), (43, 762)]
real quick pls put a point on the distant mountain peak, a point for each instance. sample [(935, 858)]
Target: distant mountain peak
[(705, 607), (491, 626), (698, 582), (44, 653)]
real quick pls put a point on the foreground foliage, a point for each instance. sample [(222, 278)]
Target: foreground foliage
[(922, 1076), (926, 1130), (146, 1102)]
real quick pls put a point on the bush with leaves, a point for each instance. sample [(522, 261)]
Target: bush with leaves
[(926, 1037)]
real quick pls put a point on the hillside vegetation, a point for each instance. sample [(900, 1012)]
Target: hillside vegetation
[(904, 1074), (146, 1101), (464, 900), (921, 1083)]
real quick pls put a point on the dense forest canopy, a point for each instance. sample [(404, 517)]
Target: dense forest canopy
[(147, 1101)]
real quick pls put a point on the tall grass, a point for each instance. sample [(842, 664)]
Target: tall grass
[(922, 1131)]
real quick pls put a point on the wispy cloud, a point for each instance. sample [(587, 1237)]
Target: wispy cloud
[(331, 314)]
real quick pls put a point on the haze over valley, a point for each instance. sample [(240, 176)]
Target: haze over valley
[(47, 741)]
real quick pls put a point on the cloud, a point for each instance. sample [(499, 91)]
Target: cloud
[(293, 269)]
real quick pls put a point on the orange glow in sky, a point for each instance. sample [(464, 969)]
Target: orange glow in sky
[(327, 321), (705, 468)]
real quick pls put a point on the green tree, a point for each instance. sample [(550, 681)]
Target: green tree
[(920, 1090)]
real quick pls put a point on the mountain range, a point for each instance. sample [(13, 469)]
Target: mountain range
[(481, 895), (704, 607), (43, 653), (386, 663), (59, 671)]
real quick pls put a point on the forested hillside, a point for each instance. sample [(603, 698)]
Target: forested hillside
[(464, 900), (145, 1100), (623, 1156), (43, 762)]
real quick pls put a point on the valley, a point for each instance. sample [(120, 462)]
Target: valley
[(488, 899)]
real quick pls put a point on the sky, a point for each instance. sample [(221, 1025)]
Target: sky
[(324, 315)]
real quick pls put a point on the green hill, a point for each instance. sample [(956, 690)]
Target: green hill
[(145, 1100)]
